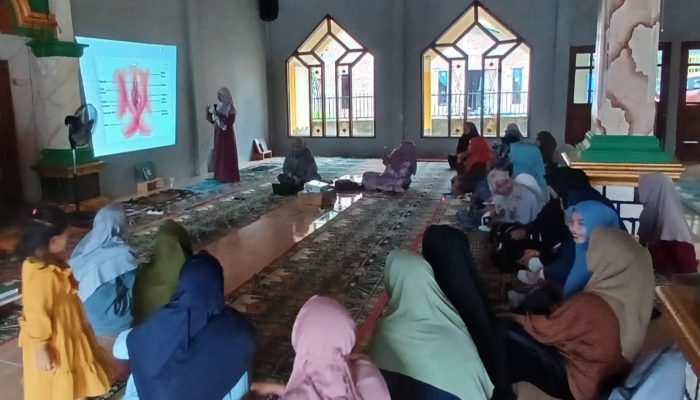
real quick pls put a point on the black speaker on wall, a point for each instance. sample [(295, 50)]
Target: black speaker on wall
[(269, 9)]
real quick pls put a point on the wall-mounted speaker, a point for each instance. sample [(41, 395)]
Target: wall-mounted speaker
[(269, 9)]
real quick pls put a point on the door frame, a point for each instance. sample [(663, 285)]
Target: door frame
[(682, 92), (573, 51), (661, 120)]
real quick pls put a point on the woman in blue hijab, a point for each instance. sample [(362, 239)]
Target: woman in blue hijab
[(527, 159), (582, 219), (194, 347), (105, 268)]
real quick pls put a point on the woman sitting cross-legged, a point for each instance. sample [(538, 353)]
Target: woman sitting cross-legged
[(194, 347), (527, 159), (421, 345), (513, 202), (569, 274), (299, 166), (325, 367), (400, 165), (548, 238), (589, 338), (663, 228), (472, 167), (105, 269), (470, 132)]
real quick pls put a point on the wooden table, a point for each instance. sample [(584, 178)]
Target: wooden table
[(57, 181), (681, 308)]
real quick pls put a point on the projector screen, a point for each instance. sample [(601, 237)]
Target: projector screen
[(133, 86)]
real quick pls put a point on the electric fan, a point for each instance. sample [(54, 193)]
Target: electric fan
[(80, 126)]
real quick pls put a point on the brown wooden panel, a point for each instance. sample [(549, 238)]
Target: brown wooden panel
[(578, 122), (9, 156), (681, 308)]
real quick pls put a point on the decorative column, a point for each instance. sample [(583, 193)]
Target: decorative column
[(626, 59), (56, 79)]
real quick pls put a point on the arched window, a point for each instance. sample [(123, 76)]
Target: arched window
[(330, 85), (478, 69)]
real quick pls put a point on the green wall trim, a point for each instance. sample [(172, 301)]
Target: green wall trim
[(55, 48)]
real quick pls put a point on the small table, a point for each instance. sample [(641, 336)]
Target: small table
[(57, 181), (681, 306)]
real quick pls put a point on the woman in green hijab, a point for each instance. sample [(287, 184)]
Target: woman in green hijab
[(156, 281), (422, 346)]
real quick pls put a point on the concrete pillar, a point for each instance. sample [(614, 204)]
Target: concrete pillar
[(626, 48)]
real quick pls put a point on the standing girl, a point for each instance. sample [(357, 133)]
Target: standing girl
[(61, 357)]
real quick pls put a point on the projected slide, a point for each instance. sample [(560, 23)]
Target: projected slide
[(134, 87)]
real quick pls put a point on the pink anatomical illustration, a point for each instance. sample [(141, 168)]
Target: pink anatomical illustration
[(133, 100)]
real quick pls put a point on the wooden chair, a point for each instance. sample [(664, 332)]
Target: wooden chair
[(260, 150)]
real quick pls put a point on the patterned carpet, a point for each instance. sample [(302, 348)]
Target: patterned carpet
[(344, 259), (206, 216)]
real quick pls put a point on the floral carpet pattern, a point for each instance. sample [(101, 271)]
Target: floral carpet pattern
[(343, 259), (206, 216)]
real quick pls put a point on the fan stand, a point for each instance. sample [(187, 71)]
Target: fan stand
[(81, 219)]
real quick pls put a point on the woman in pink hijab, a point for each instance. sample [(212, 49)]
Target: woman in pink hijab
[(325, 367)]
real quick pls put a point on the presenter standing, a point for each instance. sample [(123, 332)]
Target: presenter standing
[(223, 115)]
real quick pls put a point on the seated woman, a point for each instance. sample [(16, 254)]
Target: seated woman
[(512, 135), (105, 269), (547, 145), (548, 234), (590, 337), (447, 251), (663, 228), (194, 347), (527, 159), (156, 281), (470, 132), (325, 367), (400, 165), (513, 202), (422, 347), (582, 219), (472, 167), (299, 166)]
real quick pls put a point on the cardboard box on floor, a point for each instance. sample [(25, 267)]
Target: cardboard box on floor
[(325, 199)]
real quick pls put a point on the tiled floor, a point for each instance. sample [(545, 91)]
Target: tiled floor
[(242, 253)]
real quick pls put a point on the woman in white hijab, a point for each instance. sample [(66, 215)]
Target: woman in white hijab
[(515, 201), (663, 228)]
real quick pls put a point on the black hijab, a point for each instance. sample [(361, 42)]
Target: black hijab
[(573, 187), (548, 144), (194, 347), (464, 140), (447, 251)]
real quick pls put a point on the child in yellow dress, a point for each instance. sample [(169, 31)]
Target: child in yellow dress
[(61, 357)]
